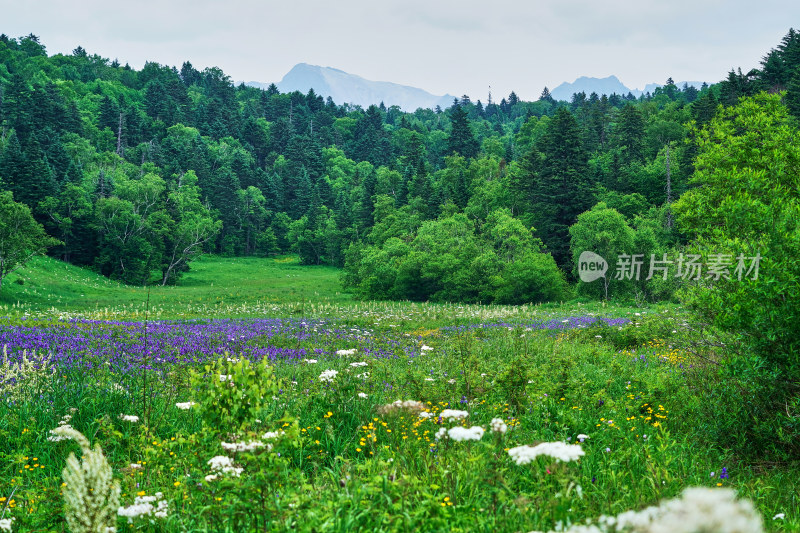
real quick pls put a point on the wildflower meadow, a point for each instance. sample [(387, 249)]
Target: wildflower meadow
[(335, 415)]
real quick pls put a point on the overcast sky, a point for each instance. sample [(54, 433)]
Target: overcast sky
[(442, 46)]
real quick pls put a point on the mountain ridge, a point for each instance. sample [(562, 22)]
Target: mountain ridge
[(345, 87), (608, 85)]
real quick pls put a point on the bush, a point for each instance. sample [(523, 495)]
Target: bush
[(450, 259), (746, 207)]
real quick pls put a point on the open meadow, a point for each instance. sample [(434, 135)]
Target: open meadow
[(256, 396)]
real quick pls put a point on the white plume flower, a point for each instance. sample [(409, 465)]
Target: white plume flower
[(91, 496)]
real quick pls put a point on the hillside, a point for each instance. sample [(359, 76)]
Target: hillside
[(213, 283)]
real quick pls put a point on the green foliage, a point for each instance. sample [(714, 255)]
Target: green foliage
[(21, 237), (231, 394), (451, 259), (746, 205)]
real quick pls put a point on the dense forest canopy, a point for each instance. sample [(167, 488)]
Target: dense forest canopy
[(136, 172)]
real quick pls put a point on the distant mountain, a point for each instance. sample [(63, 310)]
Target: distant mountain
[(349, 88), (606, 86), (600, 86), (650, 87)]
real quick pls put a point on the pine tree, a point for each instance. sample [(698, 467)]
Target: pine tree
[(461, 141), (554, 179)]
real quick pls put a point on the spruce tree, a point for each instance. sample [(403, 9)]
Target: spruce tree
[(462, 141)]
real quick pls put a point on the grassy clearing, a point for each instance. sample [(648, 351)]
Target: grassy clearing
[(345, 462), (212, 283)]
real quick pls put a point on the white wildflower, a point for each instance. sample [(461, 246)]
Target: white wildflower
[(243, 446), (426, 348), (272, 434), (779, 516), (57, 436), (5, 524), (211, 477), (185, 405), (451, 381), (145, 506), (498, 425), (399, 405), (559, 451), (365, 375), (225, 377), (224, 464), (129, 418), (310, 361), (581, 437), (441, 434), (135, 466), (453, 414), (351, 351), (328, 375), (360, 363), (362, 395), (425, 414), (459, 433)]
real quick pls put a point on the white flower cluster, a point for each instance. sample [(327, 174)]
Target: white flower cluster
[(225, 377), (362, 395), (310, 361), (155, 506), (116, 387), (185, 405), (56, 436), (441, 434), (5, 524), (498, 425), (459, 433), (245, 446), (559, 451), (351, 351), (453, 414), (272, 434), (328, 375), (582, 437), (399, 405), (360, 363), (426, 348), (224, 464), (129, 418), (425, 414), (698, 509)]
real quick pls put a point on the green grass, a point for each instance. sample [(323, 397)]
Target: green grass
[(213, 281), (341, 468)]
